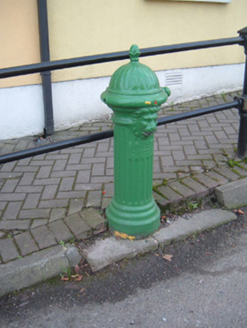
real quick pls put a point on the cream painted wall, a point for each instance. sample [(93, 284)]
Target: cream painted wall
[(19, 38), (81, 27)]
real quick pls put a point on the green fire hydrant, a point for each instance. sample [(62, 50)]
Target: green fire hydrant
[(135, 96)]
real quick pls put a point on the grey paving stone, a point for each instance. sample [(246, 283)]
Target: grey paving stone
[(98, 169), (106, 202), (206, 181), (94, 198), (26, 243), (93, 219), (12, 210), (41, 163), (53, 203), (74, 158), (38, 222), (83, 177), (60, 231), (43, 237), (169, 194), (35, 214), (8, 250), (44, 172), (89, 186), (66, 184), (182, 189), (219, 178), (49, 192), (57, 213), (29, 189), (70, 194), (26, 168), (62, 174), (27, 179), (15, 224), (9, 185), (227, 172), (79, 228), (200, 189), (31, 201), (75, 206), (240, 171), (60, 165), (12, 197), (109, 189), (45, 182)]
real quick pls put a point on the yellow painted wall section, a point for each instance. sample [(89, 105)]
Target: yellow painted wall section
[(81, 27), (19, 38)]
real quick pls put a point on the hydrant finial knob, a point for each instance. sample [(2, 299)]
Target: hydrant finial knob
[(134, 53)]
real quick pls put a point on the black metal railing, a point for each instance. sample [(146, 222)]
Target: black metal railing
[(239, 102)]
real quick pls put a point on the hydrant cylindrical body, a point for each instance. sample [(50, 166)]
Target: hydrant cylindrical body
[(135, 97)]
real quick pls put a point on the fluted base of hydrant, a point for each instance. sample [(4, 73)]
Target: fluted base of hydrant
[(136, 221)]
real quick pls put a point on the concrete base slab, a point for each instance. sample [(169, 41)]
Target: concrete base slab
[(233, 195), (199, 222), (37, 267), (111, 250)]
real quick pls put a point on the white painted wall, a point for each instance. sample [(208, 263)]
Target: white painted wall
[(79, 101), (21, 111)]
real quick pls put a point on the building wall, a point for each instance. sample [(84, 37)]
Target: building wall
[(80, 28), (19, 39)]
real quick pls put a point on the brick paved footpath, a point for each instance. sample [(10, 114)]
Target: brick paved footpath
[(58, 196)]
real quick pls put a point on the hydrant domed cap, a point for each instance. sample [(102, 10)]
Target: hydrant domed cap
[(134, 85)]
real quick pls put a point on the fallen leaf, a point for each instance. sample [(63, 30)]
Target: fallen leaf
[(240, 212), (64, 279), (123, 235), (73, 276), (82, 290), (168, 257), (79, 278)]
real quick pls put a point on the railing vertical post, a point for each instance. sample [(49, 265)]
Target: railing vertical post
[(46, 76), (242, 135)]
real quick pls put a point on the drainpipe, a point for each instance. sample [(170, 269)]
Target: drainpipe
[(46, 76)]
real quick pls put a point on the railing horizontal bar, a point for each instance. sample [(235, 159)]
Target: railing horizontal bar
[(191, 46), (55, 146), (198, 112), (104, 58), (108, 134)]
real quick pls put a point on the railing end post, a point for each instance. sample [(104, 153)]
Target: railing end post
[(242, 134)]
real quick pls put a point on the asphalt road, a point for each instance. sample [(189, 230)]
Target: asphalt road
[(204, 285)]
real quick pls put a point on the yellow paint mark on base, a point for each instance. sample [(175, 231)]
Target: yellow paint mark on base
[(123, 235)]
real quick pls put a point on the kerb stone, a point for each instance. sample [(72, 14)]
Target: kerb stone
[(111, 250), (233, 195), (181, 229), (32, 269)]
